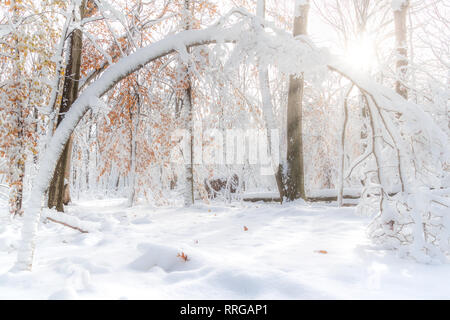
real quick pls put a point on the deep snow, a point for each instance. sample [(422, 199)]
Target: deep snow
[(293, 251)]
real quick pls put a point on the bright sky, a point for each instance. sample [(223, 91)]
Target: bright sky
[(360, 52)]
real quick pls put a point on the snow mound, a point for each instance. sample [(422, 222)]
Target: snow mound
[(156, 255)]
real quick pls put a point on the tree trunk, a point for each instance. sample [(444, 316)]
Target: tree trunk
[(189, 121), (268, 109), (59, 192), (17, 156), (340, 195), (295, 179), (402, 51), (135, 121), (66, 192), (189, 183)]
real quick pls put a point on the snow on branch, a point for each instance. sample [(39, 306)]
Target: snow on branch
[(112, 75), (398, 5), (70, 221), (397, 118), (415, 221)]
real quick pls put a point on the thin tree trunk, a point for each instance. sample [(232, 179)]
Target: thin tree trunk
[(17, 156), (134, 132), (189, 183), (132, 191), (268, 109), (402, 51), (59, 187), (340, 195), (189, 118), (295, 179)]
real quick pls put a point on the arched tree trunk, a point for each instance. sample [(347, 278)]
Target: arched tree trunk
[(113, 75), (295, 175), (135, 61), (59, 193)]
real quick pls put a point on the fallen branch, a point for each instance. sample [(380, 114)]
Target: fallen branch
[(312, 198), (264, 199), (67, 225), (331, 198), (309, 199), (70, 221)]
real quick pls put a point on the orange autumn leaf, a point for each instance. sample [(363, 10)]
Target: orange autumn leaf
[(183, 256)]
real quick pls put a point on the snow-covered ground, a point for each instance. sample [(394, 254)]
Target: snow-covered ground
[(260, 251)]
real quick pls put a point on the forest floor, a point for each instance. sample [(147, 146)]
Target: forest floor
[(249, 251)]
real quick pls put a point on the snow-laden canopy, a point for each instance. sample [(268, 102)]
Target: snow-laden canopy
[(394, 119)]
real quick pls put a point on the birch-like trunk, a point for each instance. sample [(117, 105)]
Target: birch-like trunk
[(189, 164), (402, 51), (189, 124)]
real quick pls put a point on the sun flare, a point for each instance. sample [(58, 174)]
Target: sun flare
[(361, 54)]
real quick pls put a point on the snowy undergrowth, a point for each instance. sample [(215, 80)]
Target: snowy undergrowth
[(291, 251), (416, 225)]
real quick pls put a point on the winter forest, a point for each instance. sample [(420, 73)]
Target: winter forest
[(203, 149)]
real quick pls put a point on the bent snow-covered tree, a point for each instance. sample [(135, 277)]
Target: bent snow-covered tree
[(394, 120)]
